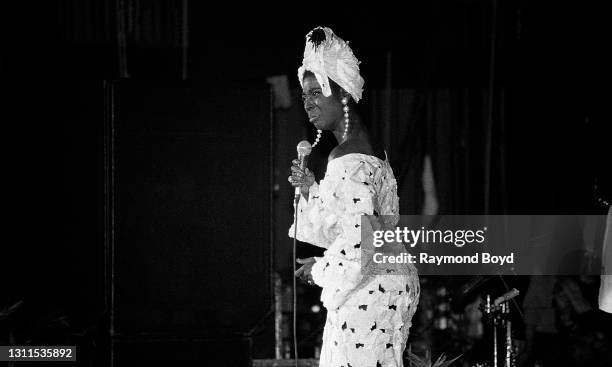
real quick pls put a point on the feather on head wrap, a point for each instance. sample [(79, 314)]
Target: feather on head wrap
[(328, 56)]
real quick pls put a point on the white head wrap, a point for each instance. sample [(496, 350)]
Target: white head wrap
[(328, 56)]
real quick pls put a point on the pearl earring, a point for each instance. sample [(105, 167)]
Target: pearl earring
[(346, 117), (318, 138)]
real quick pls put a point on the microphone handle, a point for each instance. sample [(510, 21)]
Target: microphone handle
[(302, 159)]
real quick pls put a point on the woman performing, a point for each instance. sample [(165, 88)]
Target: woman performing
[(368, 314)]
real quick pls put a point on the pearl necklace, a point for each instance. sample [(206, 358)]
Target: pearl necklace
[(346, 123)]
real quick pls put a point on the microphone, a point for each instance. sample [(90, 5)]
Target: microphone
[(303, 150), (506, 296)]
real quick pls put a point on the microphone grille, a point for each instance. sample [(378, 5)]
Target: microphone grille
[(304, 148)]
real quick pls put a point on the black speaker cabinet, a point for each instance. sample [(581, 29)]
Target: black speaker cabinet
[(189, 257)]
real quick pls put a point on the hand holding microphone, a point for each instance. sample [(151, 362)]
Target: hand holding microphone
[(301, 177)]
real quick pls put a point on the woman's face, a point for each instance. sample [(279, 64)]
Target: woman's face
[(324, 113)]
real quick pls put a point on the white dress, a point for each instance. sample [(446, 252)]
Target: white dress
[(368, 317)]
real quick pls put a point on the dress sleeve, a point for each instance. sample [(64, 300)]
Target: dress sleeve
[(339, 270), (315, 225)]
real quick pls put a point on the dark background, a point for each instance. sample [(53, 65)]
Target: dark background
[(549, 145)]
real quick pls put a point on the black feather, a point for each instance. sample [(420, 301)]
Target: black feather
[(317, 37)]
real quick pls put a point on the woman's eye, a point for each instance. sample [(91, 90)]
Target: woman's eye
[(310, 94)]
